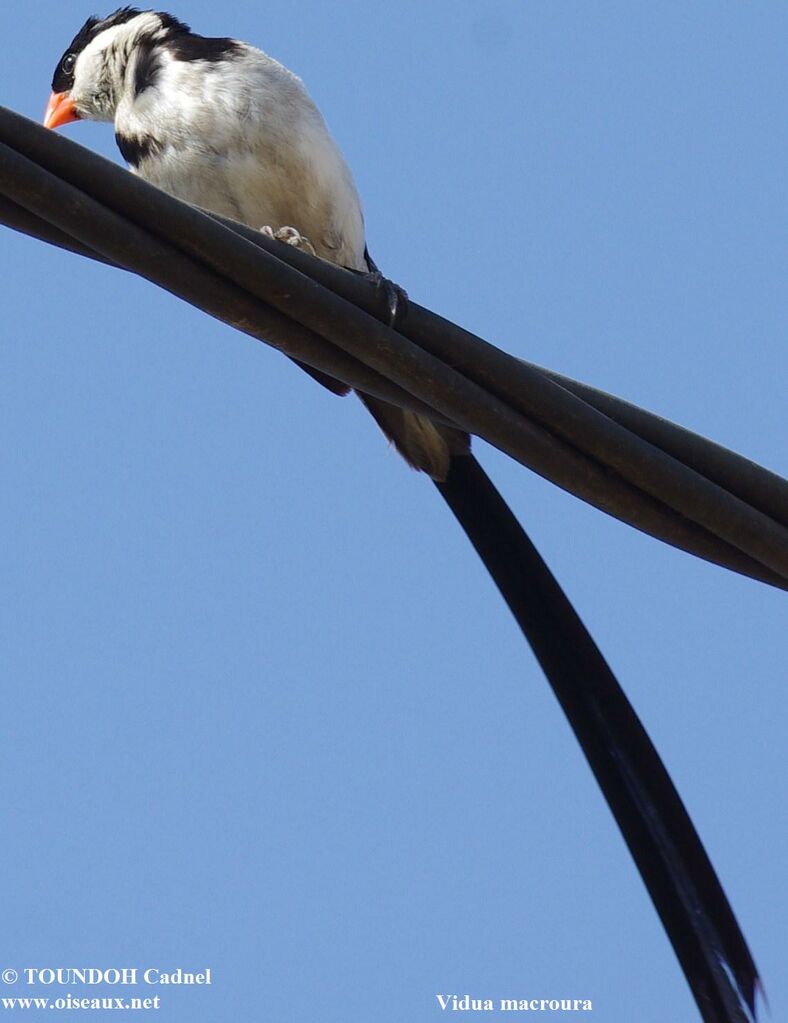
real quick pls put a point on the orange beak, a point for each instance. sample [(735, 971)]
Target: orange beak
[(60, 110)]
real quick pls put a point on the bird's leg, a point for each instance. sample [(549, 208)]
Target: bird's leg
[(290, 236), (395, 296)]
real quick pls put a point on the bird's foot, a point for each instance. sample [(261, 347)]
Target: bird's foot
[(396, 297), (290, 236)]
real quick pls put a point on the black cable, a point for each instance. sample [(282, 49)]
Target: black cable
[(750, 482), (539, 447), (117, 240), (653, 820)]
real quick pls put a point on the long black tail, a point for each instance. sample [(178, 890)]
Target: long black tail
[(661, 837)]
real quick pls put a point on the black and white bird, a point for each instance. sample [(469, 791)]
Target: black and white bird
[(220, 124)]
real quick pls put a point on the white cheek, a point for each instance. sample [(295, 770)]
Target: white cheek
[(90, 97)]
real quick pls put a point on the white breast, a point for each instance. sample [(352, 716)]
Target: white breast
[(242, 138)]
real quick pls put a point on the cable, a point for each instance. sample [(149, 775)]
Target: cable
[(662, 496)]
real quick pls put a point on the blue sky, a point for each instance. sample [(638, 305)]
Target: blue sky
[(264, 712)]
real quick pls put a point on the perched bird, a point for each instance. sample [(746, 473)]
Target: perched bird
[(220, 124)]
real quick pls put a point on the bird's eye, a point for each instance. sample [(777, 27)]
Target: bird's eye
[(67, 67)]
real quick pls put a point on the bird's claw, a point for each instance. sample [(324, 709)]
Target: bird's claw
[(396, 297), (290, 236)]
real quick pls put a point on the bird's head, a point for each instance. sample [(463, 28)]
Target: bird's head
[(107, 57)]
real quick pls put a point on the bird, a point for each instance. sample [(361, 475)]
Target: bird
[(219, 124)]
